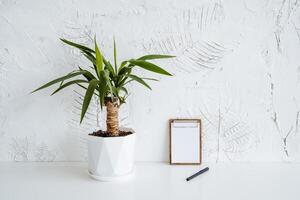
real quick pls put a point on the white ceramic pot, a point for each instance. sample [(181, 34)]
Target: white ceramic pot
[(111, 158)]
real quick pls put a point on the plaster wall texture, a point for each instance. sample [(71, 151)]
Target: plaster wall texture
[(237, 67)]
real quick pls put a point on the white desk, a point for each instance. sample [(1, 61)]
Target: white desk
[(153, 181)]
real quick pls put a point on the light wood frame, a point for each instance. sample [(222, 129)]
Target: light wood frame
[(170, 139)]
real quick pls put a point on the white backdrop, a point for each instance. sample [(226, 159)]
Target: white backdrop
[(237, 68)]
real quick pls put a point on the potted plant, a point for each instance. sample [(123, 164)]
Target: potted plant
[(110, 152)]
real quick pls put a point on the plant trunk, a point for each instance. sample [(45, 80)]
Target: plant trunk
[(112, 118)]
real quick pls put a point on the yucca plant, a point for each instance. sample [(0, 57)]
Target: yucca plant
[(107, 81)]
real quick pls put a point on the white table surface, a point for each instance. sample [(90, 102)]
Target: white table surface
[(153, 181)]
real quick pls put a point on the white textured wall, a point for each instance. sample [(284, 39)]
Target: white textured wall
[(237, 68)]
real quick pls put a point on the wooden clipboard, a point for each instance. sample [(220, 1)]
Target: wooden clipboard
[(185, 144)]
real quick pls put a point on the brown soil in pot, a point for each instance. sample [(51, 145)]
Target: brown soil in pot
[(101, 133)]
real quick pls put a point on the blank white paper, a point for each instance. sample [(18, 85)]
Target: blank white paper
[(185, 142)]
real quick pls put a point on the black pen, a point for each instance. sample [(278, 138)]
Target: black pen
[(198, 173)]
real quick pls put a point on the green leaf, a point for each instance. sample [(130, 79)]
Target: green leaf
[(155, 56), (68, 84), (124, 70), (115, 56), (60, 79), (149, 66), (115, 91), (106, 75), (85, 88), (122, 100), (109, 67), (79, 46), (81, 86), (90, 57), (88, 75), (150, 79), (99, 60), (87, 97), (102, 88), (124, 89), (123, 64), (122, 76), (139, 80), (63, 81), (122, 81)]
